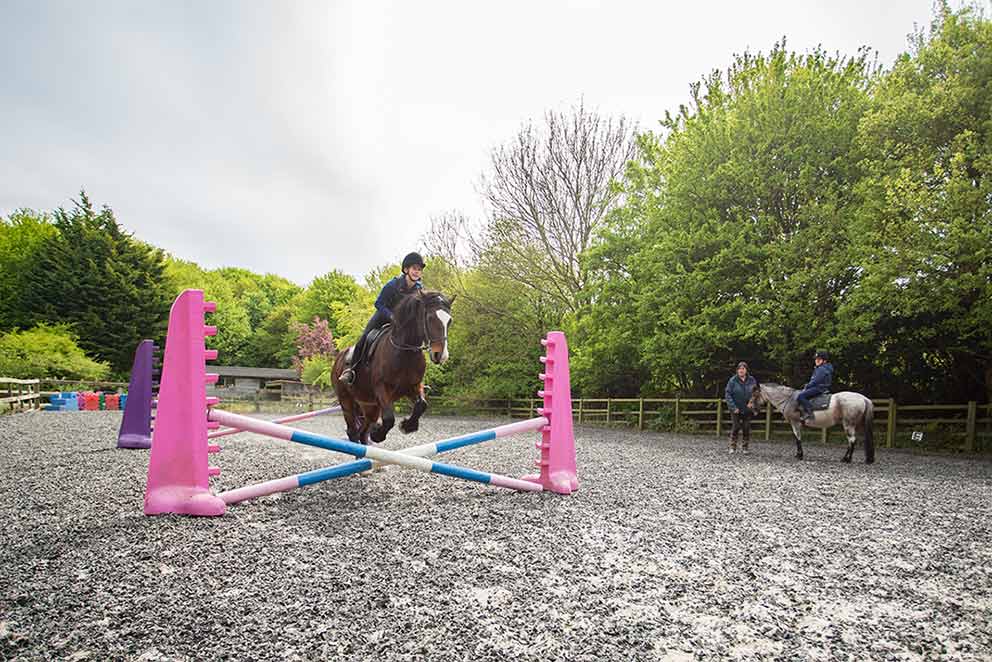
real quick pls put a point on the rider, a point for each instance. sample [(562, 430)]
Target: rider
[(406, 283), (823, 376)]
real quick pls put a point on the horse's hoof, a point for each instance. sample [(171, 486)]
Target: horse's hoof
[(406, 426), (845, 460), (869, 460), (799, 456), (378, 435)]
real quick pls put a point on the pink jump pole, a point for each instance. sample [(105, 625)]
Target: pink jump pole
[(284, 419)]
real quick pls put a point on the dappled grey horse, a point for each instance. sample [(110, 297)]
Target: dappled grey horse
[(852, 410)]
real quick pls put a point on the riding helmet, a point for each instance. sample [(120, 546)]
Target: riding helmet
[(412, 259), (822, 354)]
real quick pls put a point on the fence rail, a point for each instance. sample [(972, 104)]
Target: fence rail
[(28, 393)]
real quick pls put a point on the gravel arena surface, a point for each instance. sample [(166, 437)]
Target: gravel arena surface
[(671, 550)]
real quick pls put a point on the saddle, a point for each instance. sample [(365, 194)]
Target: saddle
[(821, 401), (371, 342), (817, 403)]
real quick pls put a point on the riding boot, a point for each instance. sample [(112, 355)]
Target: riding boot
[(744, 445), (351, 369), (733, 445)]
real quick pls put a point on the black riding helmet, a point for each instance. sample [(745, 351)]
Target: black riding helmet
[(412, 259), (822, 354)]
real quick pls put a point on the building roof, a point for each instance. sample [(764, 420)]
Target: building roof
[(258, 373)]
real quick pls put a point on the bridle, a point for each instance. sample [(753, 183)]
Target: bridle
[(428, 341)]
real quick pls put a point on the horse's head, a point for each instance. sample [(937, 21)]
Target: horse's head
[(757, 400), (422, 320), (437, 316)]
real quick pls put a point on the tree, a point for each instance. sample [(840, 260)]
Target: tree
[(733, 240), (110, 287), (323, 294), (922, 311), (548, 191), (22, 236)]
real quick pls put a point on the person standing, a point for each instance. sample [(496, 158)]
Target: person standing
[(737, 395)]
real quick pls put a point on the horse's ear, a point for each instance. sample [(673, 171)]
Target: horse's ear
[(451, 301)]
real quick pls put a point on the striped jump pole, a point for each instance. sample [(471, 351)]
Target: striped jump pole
[(285, 419), (372, 453), (348, 468)]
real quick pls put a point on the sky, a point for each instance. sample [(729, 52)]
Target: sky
[(298, 137)]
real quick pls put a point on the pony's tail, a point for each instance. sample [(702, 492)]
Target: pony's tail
[(869, 434)]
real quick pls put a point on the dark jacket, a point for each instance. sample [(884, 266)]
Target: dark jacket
[(392, 292), (738, 393), (822, 379)]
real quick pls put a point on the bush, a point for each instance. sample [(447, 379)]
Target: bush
[(47, 351)]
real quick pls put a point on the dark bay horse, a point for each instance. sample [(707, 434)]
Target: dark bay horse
[(853, 410), (395, 369)]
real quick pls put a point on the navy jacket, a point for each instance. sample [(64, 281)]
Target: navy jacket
[(822, 379), (738, 392), (391, 293)]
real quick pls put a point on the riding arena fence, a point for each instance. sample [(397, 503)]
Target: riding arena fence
[(945, 427)]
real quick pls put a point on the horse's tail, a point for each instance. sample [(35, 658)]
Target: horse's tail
[(868, 421)]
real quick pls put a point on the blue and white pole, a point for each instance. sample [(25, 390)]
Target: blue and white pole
[(414, 458)]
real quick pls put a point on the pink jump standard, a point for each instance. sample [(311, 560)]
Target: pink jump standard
[(178, 473)]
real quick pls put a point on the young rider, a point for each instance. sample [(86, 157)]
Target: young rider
[(820, 382), (406, 283)]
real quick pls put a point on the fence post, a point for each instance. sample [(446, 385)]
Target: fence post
[(768, 421), (677, 403), (970, 426), (890, 430), (719, 417), (608, 401), (640, 414), (258, 407), (823, 435), (580, 410), (509, 408)]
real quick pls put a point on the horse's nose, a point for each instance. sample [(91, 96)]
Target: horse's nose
[(436, 357)]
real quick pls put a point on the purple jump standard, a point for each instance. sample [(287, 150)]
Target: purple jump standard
[(348, 468)]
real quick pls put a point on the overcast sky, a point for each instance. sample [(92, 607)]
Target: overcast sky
[(299, 137)]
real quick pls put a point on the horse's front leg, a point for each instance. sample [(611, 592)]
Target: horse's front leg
[(797, 432), (384, 397), (379, 432), (851, 439), (412, 424)]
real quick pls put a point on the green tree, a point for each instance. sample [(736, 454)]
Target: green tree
[(735, 226), (922, 311), (22, 237), (110, 287), (324, 294)]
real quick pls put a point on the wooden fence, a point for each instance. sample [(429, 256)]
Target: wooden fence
[(964, 427), (28, 393)]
